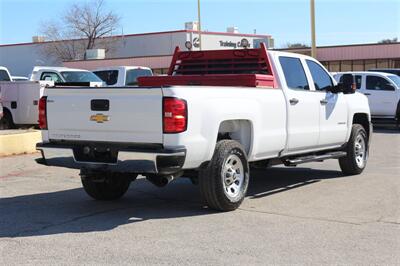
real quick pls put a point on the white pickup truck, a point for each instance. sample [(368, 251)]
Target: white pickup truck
[(120, 76), (383, 92), (216, 114)]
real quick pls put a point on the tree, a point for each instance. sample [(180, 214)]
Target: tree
[(394, 40), (296, 45), (84, 26)]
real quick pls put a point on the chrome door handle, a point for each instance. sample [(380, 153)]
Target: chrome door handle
[(323, 102), (294, 101)]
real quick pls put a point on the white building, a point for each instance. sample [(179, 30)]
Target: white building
[(153, 50)]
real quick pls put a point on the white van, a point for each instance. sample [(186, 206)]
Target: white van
[(120, 76), (382, 90)]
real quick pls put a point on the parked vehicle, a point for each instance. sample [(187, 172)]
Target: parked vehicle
[(64, 75), (216, 114), (383, 92), (19, 78), (395, 71), (121, 76), (20, 102), (20, 99), (4, 74)]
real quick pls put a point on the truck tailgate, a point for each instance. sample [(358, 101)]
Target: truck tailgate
[(105, 114)]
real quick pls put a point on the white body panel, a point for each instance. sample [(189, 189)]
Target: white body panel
[(261, 119)]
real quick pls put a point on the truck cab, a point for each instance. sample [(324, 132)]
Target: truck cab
[(120, 76), (64, 75)]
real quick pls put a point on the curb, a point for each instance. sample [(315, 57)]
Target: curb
[(19, 143)]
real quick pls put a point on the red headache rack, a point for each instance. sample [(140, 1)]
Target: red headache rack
[(242, 68)]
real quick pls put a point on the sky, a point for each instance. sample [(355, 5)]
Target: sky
[(288, 21)]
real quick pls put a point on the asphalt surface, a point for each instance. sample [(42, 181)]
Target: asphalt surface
[(310, 214)]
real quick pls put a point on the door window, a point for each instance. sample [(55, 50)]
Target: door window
[(294, 73), (4, 76), (50, 76), (378, 84), (322, 80)]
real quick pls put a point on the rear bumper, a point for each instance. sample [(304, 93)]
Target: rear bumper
[(132, 160)]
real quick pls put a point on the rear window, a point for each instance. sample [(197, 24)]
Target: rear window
[(110, 77), (4, 76), (294, 73), (133, 74), (80, 76)]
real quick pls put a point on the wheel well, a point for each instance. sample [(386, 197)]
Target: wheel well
[(362, 119), (6, 111), (239, 130)]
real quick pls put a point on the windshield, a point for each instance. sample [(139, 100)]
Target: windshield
[(396, 80), (80, 76), (133, 74)]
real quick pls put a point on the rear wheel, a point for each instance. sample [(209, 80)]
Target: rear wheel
[(223, 183), (6, 121), (357, 152), (106, 186)]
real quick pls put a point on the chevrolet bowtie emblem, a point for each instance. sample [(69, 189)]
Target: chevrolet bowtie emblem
[(99, 118)]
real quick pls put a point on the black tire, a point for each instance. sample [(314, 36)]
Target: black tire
[(213, 186), (6, 121), (105, 186), (349, 164)]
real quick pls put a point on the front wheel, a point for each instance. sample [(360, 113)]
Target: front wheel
[(105, 186), (357, 152), (223, 183)]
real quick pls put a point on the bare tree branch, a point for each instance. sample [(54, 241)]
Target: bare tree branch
[(83, 26)]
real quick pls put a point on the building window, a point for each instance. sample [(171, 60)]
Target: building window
[(346, 65)]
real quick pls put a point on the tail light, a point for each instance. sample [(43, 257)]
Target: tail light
[(43, 112), (174, 115)]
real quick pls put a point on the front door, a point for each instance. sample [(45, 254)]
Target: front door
[(332, 108)]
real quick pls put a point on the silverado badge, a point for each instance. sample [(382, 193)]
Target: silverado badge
[(99, 118)]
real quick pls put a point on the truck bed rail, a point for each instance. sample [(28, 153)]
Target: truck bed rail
[(244, 67)]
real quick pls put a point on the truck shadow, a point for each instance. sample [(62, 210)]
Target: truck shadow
[(72, 211)]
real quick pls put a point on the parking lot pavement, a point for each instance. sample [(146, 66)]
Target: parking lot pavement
[(305, 215)]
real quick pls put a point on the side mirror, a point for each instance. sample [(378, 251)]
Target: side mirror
[(347, 84)]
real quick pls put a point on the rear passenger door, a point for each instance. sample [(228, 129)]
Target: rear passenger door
[(303, 107), (332, 107)]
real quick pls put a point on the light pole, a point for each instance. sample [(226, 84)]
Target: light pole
[(199, 25), (313, 45)]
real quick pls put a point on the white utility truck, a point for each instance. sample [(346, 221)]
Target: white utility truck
[(383, 92), (120, 76), (215, 115), (20, 102)]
